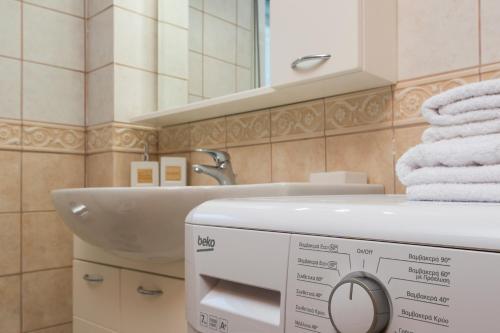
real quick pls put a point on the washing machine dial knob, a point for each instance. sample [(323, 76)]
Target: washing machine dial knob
[(359, 305)]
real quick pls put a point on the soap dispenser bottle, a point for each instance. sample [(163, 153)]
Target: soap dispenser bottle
[(144, 173)]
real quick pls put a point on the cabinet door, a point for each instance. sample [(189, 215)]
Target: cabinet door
[(306, 28), (96, 294), (83, 326), (152, 304)]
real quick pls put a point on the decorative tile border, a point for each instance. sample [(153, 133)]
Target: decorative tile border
[(208, 133), (10, 134), (174, 139), (249, 128), (357, 112), (409, 95), (53, 138), (122, 138), (490, 72), (298, 121)]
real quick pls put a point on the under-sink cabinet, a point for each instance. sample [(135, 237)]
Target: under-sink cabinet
[(108, 299)]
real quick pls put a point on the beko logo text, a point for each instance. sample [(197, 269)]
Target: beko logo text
[(207, 244)]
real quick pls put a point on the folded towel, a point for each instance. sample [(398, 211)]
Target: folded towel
[(461, 152), (438, 133), (469, 103), (454, 175), (455, 192)]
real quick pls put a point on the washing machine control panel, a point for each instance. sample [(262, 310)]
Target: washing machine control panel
[(357, 286)]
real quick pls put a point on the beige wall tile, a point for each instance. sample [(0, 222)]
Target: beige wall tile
[(47, 242), (10, 26), (172, 92), (298, 121), (145, 7), (53, 94), (10, 304), (195, 30), (245, 13), (10, 181), (100, 40), (366, 152), (244, 80), (173, 50), (10, 86), (251, 164), (100, 170), (175, 138), (245, 48), (404, 139), (490, 31), (490, 75), (409, 96), (195, 73), (43, 173), (437, 36), (248, 128), (294, 161), (225, 9), (138, 33), (66, 328), (366, 110), (208, 133), (196, 179), (100, 96), (47, 298), (10, 244), (73, 7), (53, 38), (219, 77), (174, 11), (219, 38), (95, 6), (121, 167)]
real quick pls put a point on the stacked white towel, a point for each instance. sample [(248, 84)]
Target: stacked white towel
[(459, 159)]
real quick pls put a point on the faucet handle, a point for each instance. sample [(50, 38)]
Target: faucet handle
[(218, 156)]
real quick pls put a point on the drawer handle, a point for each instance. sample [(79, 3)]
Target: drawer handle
[(322, 57), (148, 292), (93, 278)]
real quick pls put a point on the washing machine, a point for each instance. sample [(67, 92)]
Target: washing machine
[(350, 264)]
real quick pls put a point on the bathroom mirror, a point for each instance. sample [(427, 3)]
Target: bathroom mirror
[(211, 48)]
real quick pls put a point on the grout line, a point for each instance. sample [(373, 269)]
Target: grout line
[(54, 10), (21, 154), (54, 66), (226, 21), (47, 269), (47, 327), (99, 12), (85, 95), (480, 39)]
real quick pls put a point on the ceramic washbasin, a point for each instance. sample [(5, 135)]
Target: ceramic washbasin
[(148, 223)]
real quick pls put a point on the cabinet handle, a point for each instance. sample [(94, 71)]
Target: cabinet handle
[(322, 57), (148, 292), (93, 278)]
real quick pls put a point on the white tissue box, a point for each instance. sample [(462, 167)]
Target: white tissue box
[(339, 177)]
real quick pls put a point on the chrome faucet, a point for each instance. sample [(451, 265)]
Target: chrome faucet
[(222, 171)]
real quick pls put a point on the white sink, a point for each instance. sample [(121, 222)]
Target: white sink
[(148, 223)]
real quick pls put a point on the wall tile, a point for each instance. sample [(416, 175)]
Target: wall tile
[(208, 133), (121, 137), (10, 134), (409, 96), (196, 179), (490, 72), (53, 138), (244, 48), (298, 121), (45, 302), (10, 87), (100, 96), (172, 92), (174, 12), (172, 50), (404, 139), (219, 38), (195, 30), (145, 7), (66, 328), (195, 73), (218, 78), (244, 79), (53, 95), (99, 171), (428, 36), (10, 181), (175, 138), (365, 110), (198, 4), (10, 307), (53, 38), (245, 13), (138, 33), (95, 6), (251, 164), (72, 7), (10, 26), (121, 167), (294, 161), (369, 152), (249, 128), (47, 242), (490, 31), (100, 40), (43, 173), (225, 9), (10, 245), (194, 98)]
